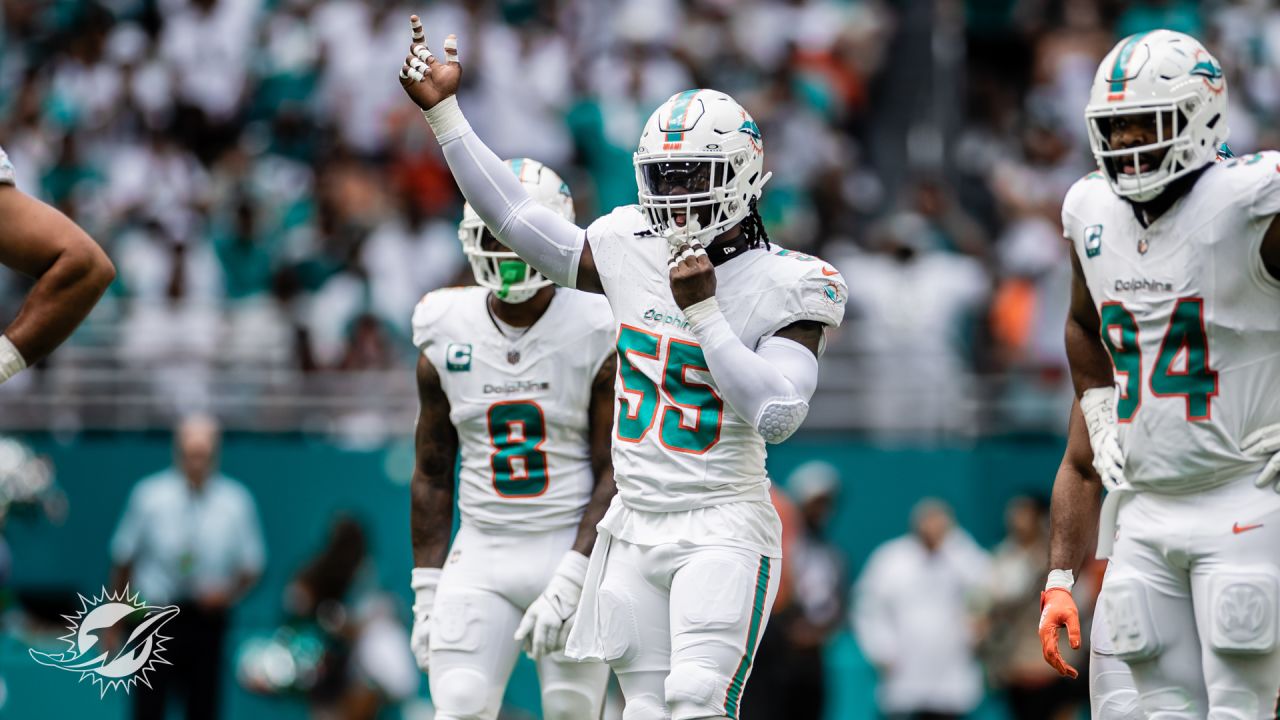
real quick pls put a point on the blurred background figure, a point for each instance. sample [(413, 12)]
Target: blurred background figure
[(1034, 691), (189, 537), (790, 672), (343, 646), (918, 616)]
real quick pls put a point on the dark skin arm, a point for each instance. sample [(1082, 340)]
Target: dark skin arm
[(1270, 248), (71, 272), (1090, 363), (1077, 500), (431, 490), (600, 429)]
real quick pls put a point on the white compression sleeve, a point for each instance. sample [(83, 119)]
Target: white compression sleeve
[(769, 387), (545, 240)]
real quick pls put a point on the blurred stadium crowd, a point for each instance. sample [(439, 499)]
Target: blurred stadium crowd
[(275, 207)]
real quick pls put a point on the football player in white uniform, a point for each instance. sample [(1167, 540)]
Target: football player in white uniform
[(1172, 339), (718, 338), (515, 382), (71, 274)]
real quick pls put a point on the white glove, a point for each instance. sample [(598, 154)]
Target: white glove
[(1099, 408), (545, 627), (1265, 442), (424, 584)]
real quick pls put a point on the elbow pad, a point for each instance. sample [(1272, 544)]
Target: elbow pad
[(780, 418)]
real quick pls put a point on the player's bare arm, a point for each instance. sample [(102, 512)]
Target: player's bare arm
[(601, 431), (1091, 373), (1077, 500), (1271, 247), (71, 270), (436, 450), (554, 246), (431, 500)]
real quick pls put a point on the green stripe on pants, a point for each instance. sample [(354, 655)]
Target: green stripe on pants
[(734, 694)]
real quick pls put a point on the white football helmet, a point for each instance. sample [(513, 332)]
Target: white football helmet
[(502, 271), (706, 144), (1172, 76)]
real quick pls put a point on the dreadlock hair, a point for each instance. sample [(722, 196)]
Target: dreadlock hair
[(753, 228)]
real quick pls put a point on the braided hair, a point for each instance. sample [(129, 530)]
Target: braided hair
[(753, 228)]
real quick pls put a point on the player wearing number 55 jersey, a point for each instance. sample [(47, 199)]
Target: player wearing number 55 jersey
[(515, 382), (718, 337), (1174, 344)]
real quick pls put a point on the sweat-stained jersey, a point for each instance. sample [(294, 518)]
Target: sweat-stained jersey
[(520, 406), (677, 444), (1191, 319), (6, 169)]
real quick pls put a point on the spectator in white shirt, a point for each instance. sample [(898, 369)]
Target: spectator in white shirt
[(189, 536), (914, 617)]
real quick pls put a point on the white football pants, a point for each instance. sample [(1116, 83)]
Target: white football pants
[(680, 625), (488, 582), (1191, 599)]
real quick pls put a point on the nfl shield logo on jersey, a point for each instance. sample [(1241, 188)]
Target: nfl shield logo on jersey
[(457, 357), (1093, 240)]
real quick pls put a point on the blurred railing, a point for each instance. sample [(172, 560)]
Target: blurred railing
[(92, 384)]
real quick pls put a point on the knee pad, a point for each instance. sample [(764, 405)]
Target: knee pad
[(1243, 604), (1234, 705), (1133, 628), (645, 707), (1170, 704), (695, 691), (459, 694), (568, 702)]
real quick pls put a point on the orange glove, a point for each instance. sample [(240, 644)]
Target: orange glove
[(1058, 608)]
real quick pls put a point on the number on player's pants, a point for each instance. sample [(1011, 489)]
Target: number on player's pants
[(1181, 367), (517, 430), (638, 406)]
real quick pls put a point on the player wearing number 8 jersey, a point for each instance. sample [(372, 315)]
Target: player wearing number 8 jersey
[(718, 338), (515, 382), (1174, 345)]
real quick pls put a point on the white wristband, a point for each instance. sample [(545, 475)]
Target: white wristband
[(1064, 579), (11, 362), (708, 323), (446, 120)]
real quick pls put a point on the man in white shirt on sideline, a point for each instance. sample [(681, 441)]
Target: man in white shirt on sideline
[(914, 617), (189, 536)]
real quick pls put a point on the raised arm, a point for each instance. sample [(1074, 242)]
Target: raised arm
[(431, 499), (554, 246), (71, 274)]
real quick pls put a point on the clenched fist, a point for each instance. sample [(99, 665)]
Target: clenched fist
[(693, 277), (427, 80)]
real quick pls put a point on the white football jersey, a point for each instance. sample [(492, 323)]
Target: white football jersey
[(677, 445), (520, 406), (1191, 319), (6, 169)]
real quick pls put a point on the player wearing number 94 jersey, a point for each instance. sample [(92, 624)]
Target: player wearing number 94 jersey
[(1174, 344), (718, 338), (515, 382)]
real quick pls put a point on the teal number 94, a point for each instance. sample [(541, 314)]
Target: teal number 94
[(517, 430), (641, 398), (1185, 338)]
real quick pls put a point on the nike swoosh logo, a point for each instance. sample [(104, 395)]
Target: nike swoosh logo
[(829, 271), (1237, 528)]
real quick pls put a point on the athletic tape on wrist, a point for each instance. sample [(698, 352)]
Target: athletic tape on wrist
[(1059, 578), (446, 120), (11, 361)]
